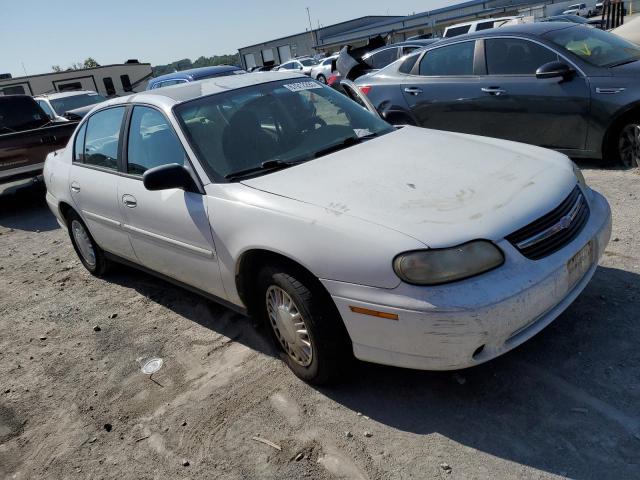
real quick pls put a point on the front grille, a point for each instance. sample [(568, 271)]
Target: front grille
[(554, 230)]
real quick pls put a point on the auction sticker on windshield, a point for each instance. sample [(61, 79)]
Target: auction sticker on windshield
[(300, 86)]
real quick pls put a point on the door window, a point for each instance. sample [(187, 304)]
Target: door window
[(47, 109), (152, 142), (514, 56), (78, 144), (383, 58), (452, 60), (103, 137)]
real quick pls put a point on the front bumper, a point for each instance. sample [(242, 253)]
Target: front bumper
[(444, 327)]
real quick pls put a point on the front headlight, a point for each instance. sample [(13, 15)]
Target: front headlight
[(431, 267), (578, 173)]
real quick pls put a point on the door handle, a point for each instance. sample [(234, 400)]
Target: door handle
[(129, 201), (497, 91), (413, 90), (75, 187)]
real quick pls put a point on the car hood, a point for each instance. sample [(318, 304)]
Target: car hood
[(440, 188)]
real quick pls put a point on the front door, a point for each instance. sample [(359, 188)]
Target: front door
[(93, 180), (169, 229), (520, 107)]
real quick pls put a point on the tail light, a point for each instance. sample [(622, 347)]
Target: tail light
[(365, 89), (332, 79)]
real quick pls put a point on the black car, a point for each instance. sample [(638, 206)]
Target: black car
[(558, 85)]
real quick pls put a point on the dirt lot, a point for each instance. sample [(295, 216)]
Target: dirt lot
[(74, 403)]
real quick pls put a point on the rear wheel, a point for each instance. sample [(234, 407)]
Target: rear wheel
[(304, 324), (89, 253), (322, 79)]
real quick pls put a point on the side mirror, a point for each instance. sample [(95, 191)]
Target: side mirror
[(169, 176), (555, 70)]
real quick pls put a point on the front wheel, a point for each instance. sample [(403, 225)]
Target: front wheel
[(626, 144), (304, 324)]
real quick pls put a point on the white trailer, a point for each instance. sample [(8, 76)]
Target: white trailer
[(108, 80)]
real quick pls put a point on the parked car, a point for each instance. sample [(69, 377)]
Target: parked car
[(558, 85), (476, 26), (323, 70), (594, 22), (63, 106), (303, 65), (27, 135), (579, 9), (282, 198), (192, 75)]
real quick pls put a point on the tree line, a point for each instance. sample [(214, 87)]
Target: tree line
[(183, 64)]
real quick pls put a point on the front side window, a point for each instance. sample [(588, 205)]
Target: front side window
[(383, 58), (152, 142), (102, 138), (594, 46), (514, 56), (287, 122), (452, 60)]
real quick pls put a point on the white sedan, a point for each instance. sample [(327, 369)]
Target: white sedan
[(281, 198)]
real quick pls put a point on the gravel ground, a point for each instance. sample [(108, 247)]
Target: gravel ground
[(74, 404)]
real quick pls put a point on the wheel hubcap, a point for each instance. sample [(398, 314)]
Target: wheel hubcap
[(289, 326), (84, 243), (629, 145)]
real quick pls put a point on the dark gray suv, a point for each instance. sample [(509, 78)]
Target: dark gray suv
[(568, 87)]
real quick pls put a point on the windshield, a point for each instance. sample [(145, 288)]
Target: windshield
[(64, 104), (281, 122), (19, 113), (307, 62), (594, 46)]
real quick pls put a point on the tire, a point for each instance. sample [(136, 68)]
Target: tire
[(88, 251), (311, 310), (321, 78), (624, 143)]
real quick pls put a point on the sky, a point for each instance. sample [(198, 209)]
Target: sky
[(37, 34)]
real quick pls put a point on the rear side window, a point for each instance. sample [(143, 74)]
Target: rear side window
[(78, 144), (455, 31), (152, 142), (514, 56), (484, 26), (103, 137), (383, 58), (408, 63), (452, 60)]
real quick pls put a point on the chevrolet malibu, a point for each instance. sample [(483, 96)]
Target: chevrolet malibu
[(282, 198)]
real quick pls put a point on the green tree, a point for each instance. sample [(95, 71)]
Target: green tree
[(90, 63), (56, 68)]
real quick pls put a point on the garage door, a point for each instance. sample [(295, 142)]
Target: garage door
[(284, 52), (249, 60)]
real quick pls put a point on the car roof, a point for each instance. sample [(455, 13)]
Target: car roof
[(528, 29), (73, 93), (196, 73), (184, 92)]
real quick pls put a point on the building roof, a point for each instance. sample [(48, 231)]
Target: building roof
[(64, 72), (306, 32)]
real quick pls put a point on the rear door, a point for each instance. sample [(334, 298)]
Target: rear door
[(546, 112), (93, 179), (443, 88), (169, 229)]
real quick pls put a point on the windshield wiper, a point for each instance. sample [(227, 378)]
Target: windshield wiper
[(347, 142), (266, 166), (631, 60)]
